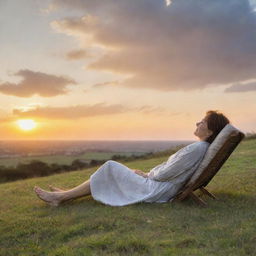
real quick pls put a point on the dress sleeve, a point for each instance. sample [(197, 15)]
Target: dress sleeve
[(177, 166)]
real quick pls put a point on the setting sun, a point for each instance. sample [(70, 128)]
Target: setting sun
[(26, 124)]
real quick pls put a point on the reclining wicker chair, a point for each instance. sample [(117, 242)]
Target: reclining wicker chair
[(215, 156)]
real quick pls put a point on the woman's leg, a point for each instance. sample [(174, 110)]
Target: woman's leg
[(55, 189), (55, 198)]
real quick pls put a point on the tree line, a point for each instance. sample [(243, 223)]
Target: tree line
[(37, 168)]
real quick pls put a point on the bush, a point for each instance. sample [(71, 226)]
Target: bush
[(250, 135), (79, 164), (94, 162)]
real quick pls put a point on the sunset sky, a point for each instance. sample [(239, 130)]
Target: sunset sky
[(125, 69)]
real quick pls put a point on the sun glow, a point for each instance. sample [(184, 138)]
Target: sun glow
[(26, 124)]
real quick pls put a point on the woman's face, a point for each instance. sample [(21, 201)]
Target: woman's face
[(202, 131)]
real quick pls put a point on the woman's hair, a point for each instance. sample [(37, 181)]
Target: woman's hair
[(216, 121)]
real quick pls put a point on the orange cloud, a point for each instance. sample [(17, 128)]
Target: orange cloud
[(77, 54), (82, 111), (111, 83), (37, 83)]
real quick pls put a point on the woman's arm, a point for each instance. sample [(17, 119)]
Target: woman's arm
[(179, 166), (141, 173)]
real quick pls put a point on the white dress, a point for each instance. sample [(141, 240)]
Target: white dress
[(115, 184)]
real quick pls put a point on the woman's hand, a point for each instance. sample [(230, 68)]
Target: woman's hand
[(141, 173)]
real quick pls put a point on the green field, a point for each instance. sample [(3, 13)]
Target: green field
[(86, 227), (64, 159)]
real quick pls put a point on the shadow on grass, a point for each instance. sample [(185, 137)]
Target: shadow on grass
[(222, 198)]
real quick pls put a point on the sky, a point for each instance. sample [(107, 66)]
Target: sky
[(126, 69)]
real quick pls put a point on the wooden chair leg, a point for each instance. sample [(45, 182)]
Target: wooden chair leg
[(207, 193), (197, 199)]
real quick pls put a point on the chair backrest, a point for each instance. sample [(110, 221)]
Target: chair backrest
[(215, 156)]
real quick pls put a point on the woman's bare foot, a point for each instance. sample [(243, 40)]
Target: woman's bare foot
[(52, 198), (55, 189)]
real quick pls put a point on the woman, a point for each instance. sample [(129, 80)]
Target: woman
[(115, 184)]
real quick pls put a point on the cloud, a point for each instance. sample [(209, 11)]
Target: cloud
[(82, 111), (187, 45), (147, 109), (36, 83), (239, 87), (77, 54), (111, 83), (72, 112)]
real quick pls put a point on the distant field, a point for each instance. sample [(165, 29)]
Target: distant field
[(85, 227), (65, 159)]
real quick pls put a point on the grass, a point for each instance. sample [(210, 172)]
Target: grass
[(86, 227)]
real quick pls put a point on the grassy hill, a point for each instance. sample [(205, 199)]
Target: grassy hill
[(28, 226)]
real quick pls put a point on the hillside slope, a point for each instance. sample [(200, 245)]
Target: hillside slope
[(227, 226)]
